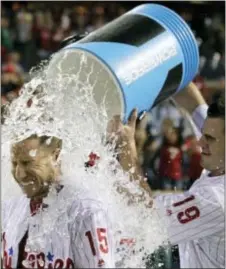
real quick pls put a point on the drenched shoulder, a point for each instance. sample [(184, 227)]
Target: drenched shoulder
[(210, 189), (83, 201), (14, 202), (12, 208), (206, 181)]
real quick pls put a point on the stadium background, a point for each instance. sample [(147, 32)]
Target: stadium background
[(32, 31)]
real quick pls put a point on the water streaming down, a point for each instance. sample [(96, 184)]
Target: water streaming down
[(65, 107)]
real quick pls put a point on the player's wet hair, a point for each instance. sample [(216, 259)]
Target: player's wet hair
[(217, 108), (48, 142)]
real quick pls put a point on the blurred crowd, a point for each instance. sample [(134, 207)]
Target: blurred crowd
[(168, 149)]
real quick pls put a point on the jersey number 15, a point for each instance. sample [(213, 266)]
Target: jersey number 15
[(102, 239)]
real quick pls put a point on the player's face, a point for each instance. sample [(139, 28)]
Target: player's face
[(32, 167), (212, 143)]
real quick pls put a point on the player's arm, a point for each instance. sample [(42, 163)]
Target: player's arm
[(6, 206), (189, 98), (191, 215), (3, 215), (128, 159), (192, 101), (93, 246), (126, 147)]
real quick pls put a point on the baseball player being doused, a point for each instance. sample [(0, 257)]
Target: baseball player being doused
[(80, 236)]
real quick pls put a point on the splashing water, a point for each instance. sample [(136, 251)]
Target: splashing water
[(64, 107)]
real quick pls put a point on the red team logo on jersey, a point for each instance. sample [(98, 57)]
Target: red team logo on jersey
[(35, 260)]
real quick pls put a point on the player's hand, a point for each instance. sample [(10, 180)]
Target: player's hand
[(123, 137), (122, 133)]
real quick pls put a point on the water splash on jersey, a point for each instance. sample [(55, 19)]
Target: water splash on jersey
[(64, 107)]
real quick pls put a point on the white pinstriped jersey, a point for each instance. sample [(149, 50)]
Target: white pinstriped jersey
[(195, 219), (80, 235)]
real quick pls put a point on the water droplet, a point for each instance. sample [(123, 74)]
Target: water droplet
[(33, 152), (48, 141)]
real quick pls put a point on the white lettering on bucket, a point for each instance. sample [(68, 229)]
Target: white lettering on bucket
[(142, 63)]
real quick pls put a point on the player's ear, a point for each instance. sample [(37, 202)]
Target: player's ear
[(56, 145)]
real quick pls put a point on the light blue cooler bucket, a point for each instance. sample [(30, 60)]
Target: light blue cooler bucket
[(137, 60)]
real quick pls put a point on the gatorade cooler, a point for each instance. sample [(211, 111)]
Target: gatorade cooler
[(137, 60)]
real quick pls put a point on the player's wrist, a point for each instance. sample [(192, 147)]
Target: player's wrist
[(189, 98), (127, 155), (199, 115)]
